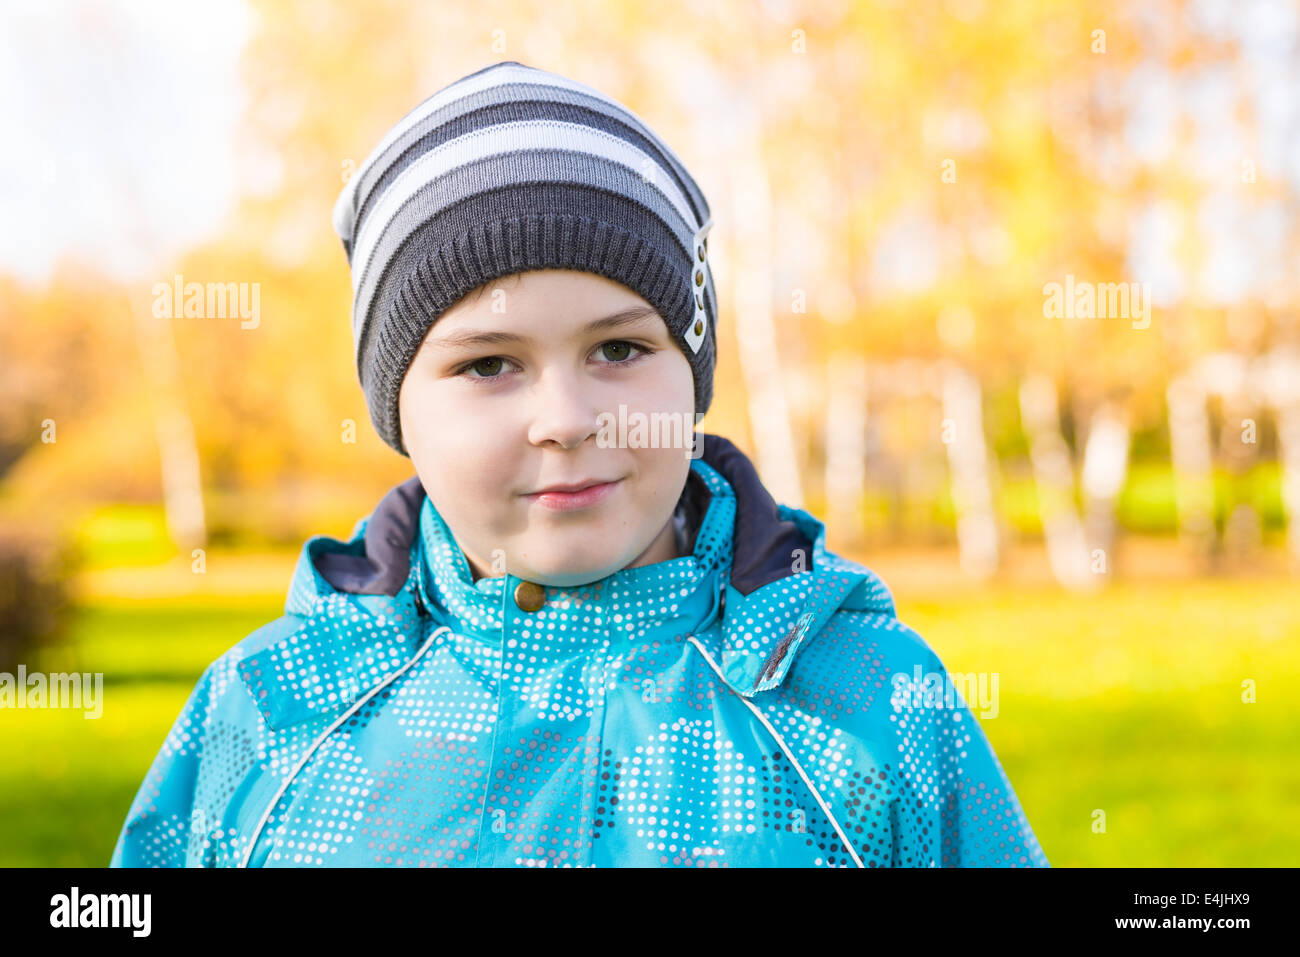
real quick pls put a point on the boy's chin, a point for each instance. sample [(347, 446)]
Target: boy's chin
[(568, 571), (571, 580)]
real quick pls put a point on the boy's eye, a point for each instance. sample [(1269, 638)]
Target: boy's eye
[(622, 350), (489, 366)]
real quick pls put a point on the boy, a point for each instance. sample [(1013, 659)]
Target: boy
[(563, 643)]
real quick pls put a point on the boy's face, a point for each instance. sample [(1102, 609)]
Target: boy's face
[(489, 424)]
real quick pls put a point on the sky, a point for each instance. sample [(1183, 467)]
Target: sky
[(120, 123)]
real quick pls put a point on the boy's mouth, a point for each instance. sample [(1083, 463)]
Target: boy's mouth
[(575, 495)]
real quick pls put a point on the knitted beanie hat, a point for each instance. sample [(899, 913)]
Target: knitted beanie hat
[(506, 170)]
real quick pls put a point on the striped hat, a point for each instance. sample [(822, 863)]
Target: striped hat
[(511, 169)]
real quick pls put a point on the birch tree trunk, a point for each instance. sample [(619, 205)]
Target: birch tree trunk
[(1054, 479), (1105, 466), (177, 447), (968, 464), (846, 447)]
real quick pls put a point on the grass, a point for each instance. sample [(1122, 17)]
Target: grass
[(1146, 505), (66, 781), (1128, 702)]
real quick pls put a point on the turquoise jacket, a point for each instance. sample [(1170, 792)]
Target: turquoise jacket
[(744, 705)]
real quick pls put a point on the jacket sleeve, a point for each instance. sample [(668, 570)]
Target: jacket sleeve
[(158, 826), (920, 783), (954, 804)]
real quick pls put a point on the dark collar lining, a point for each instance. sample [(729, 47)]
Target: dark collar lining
[(764, 546), (390, 533)]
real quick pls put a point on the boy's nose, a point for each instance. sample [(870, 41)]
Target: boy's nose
[(562, 413)]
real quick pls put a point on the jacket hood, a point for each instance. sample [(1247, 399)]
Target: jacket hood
[(371, 574)]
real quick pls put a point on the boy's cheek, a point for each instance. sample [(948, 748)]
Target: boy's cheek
[(432, 418)]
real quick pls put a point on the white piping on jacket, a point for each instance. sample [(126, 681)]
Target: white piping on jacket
[(252, 841), (784, 748)]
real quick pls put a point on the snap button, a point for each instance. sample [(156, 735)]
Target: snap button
[(529, 596)]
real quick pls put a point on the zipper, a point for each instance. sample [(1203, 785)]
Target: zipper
[(302, 762), (785, 748)]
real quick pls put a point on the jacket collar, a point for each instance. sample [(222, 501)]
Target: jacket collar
[(684, 589), (777, 586)]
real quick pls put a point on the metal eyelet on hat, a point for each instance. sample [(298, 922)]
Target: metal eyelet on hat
[(695, 333)]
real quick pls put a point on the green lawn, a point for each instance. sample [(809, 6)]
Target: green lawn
[(1131, 702), (1128, 702), (66, 781)]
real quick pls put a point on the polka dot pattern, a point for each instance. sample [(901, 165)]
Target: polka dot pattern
[(658, 717)]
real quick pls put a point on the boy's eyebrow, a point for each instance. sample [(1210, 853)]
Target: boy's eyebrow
[(468, 338)]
